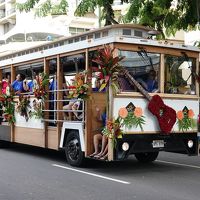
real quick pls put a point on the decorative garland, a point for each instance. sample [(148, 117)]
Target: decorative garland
[(40, 86), (108, 67), (37, 112), (8, 106), (23, 106), (113, 130), (185, 119), (80, 87)]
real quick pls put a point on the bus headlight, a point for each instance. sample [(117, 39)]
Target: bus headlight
[(125, 146), (190, 143)]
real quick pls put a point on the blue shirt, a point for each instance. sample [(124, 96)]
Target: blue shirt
[(103, 117), (18, 86), (52, 87), (30, 86), (151, 85)]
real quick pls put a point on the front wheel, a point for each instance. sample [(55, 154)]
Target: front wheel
[(146, 157), (74, 155)]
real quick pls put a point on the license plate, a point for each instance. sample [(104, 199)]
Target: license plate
[(158, 143)]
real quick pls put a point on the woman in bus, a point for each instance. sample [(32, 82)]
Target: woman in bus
[(18, 85), (5, 83)]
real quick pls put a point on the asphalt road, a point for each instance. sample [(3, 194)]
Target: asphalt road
[(28, 173)]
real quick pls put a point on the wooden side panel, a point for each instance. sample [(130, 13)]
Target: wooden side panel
[(36, 137), (29, 136), (53, 138), (97, 100)]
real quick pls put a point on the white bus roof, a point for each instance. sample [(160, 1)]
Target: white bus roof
[(122, 33)]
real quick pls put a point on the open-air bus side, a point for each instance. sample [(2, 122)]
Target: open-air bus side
[(175, 67)]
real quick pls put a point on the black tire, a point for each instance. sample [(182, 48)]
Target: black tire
[(146, 157), (74, 155)]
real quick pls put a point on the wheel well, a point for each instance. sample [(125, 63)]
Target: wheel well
[(67, 131)]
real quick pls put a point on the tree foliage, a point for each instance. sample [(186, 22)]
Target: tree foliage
[(45, 8), (158, 14), (90, 5)]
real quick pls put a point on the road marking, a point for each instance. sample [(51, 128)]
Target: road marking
[(180, 164), (92, 174)]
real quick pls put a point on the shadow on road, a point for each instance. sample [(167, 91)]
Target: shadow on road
[(126, 167)]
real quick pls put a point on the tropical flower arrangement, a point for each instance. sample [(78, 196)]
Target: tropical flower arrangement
[(185, 119), (40, 88), (131, 118), (126, 118), (113, 130), (108, 67), (37, 109), (23, 106), (80, 87), (8, 106)]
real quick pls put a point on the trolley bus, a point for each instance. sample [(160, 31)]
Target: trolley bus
[(176, 68)]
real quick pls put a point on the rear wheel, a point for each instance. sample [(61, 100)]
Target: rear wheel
[(74, 155), (146, 157)]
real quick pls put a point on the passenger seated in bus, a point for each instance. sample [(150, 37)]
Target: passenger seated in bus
[(125, 85), (67, 114), (18, 85), (150, 84), (70, 110), (33, 84), (100, 139), (5, 83), (76, 108), (52, 88), (96, 85)]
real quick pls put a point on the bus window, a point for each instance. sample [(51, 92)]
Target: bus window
[(179, 75), (73, 64), (144, 67), (28, 72)]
